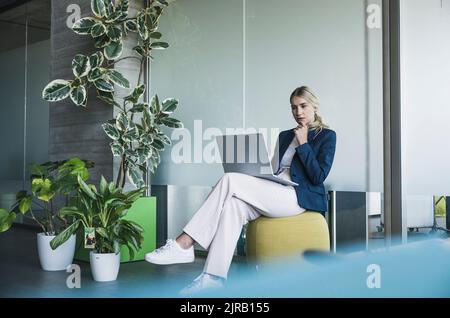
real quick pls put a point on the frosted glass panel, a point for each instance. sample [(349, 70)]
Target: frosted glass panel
[(24, 71), (37, 108), (12, 88), (233, 64), (203, 69), (425, 30), (323, 44)]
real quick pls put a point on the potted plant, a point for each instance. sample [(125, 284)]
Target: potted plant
[(100, 212), (136, 130), (50, 182)]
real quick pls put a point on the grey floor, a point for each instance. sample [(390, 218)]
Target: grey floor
[(21, 275)]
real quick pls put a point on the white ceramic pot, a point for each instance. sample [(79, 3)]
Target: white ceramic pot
[(105, 267), (55, 260)]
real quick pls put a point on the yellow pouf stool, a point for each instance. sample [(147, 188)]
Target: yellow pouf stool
[(271, 238)]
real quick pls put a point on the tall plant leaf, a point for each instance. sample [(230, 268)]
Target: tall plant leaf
[(138, 108), (164, 139), (169, 105), (114, 33), (122, 121), (78, 95), (172, 122), (102, 41), (135, 176), (96, 59), (107, 97), (136, 94), (111, 131), (56, 90), (153, 15), (80, 65), (142, 28), (140, 50), (103, 85), (117, 149), (159, 45), (143, 154), (115, 17), (113, 50), (123, 6), (83, 26), (131, 25), (98, 7), (98, 29), (95, 74), (131, 134), (158, 144), (117, 78), (155, 35)]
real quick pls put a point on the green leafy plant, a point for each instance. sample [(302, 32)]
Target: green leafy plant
[(103, 209), (137, 143), (49, 181)]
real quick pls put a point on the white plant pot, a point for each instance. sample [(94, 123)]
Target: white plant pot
[(55, 260), (105, 267)]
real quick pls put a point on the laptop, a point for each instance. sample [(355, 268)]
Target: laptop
[(247, 154)]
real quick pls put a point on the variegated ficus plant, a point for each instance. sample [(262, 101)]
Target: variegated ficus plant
[(138, 143)]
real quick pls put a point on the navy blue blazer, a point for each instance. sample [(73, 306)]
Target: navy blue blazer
[(310, 166)]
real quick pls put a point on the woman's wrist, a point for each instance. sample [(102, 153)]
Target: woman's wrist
[(301, 141)]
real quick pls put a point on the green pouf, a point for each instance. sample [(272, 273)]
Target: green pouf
[(142, 212)]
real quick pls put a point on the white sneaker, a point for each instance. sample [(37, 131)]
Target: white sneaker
[(204, 282), (171, 253)]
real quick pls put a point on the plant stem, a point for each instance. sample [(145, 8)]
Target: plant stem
[(121, 175), (123, 58), (36, 220), (50, 221), (124, 171), (141, 70), (52, 213)]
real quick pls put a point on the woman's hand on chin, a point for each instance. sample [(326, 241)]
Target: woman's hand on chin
[(301, 133)]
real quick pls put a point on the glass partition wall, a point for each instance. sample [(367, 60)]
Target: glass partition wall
[(233, 65), (425, 69), (24, 71)]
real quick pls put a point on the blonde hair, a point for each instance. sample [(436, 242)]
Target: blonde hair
[(317, 125)]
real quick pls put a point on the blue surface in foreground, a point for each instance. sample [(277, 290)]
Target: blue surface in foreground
[(414, 270)]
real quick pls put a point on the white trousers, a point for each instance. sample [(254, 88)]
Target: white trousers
[(235, 200)]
